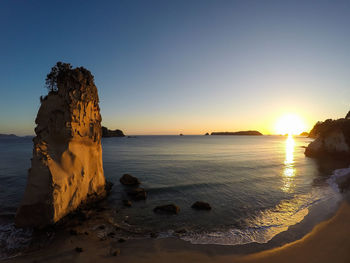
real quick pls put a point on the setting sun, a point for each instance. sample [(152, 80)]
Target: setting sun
[(290, 124)]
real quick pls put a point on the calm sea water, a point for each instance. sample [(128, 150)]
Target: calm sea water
[(257, 186)]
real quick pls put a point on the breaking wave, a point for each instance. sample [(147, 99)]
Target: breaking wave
[(268, 223)]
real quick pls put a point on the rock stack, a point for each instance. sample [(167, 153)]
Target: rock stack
[(66, 168)]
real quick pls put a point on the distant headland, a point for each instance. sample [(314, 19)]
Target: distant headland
[(13, 136), (8, 136), (251, 133), (110, 133)]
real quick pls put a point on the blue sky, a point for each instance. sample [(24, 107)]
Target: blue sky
[(169, 67)]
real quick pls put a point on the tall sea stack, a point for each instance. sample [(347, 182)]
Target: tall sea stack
[(66, 168)]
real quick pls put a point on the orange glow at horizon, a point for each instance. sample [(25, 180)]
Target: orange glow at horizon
[(290, 124)]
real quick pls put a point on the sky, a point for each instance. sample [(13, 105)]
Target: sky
[(191, 67)]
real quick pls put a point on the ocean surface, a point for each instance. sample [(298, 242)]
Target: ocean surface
[(257, 186)]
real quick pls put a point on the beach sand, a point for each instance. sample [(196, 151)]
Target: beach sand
[(328, 242)]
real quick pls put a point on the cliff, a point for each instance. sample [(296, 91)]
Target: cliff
[(66, 168), (110, 133), (253, 133), (332, 138)]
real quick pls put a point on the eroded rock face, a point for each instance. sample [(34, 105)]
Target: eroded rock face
[(66, 168), (334, 143)]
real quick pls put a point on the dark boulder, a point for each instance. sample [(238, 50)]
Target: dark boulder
[(128, 179), (167, 209), (199, 205), (79, 249), (138, 194)]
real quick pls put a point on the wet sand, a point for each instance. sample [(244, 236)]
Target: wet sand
[(329, 241)]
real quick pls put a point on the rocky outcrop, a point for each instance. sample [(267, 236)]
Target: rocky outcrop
[(332, 138), (251, 133), (66, 168), (332, 144), (112, 133)]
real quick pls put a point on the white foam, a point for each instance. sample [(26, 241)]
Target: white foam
[(13, 239), (268, 223), (337, 177)]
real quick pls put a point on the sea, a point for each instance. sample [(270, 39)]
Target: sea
[(257, 186)]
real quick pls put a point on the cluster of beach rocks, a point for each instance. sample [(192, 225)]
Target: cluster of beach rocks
[(137, 193)]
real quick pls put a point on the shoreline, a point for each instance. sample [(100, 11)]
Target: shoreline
[(316, 245)]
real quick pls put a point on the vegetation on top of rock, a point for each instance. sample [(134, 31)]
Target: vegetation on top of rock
[(63, 76), (56, 72), (238, 133), (110, 133)]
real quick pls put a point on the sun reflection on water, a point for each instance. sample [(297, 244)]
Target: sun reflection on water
[(288, 170)]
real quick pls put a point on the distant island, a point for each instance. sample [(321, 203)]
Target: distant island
[(111, 133), (7, 136), (252, 133), (304, 134), (13, 136)]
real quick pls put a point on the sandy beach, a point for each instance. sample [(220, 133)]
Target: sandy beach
[(329, 241)]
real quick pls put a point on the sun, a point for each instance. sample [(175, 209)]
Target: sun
[(290, 124)]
